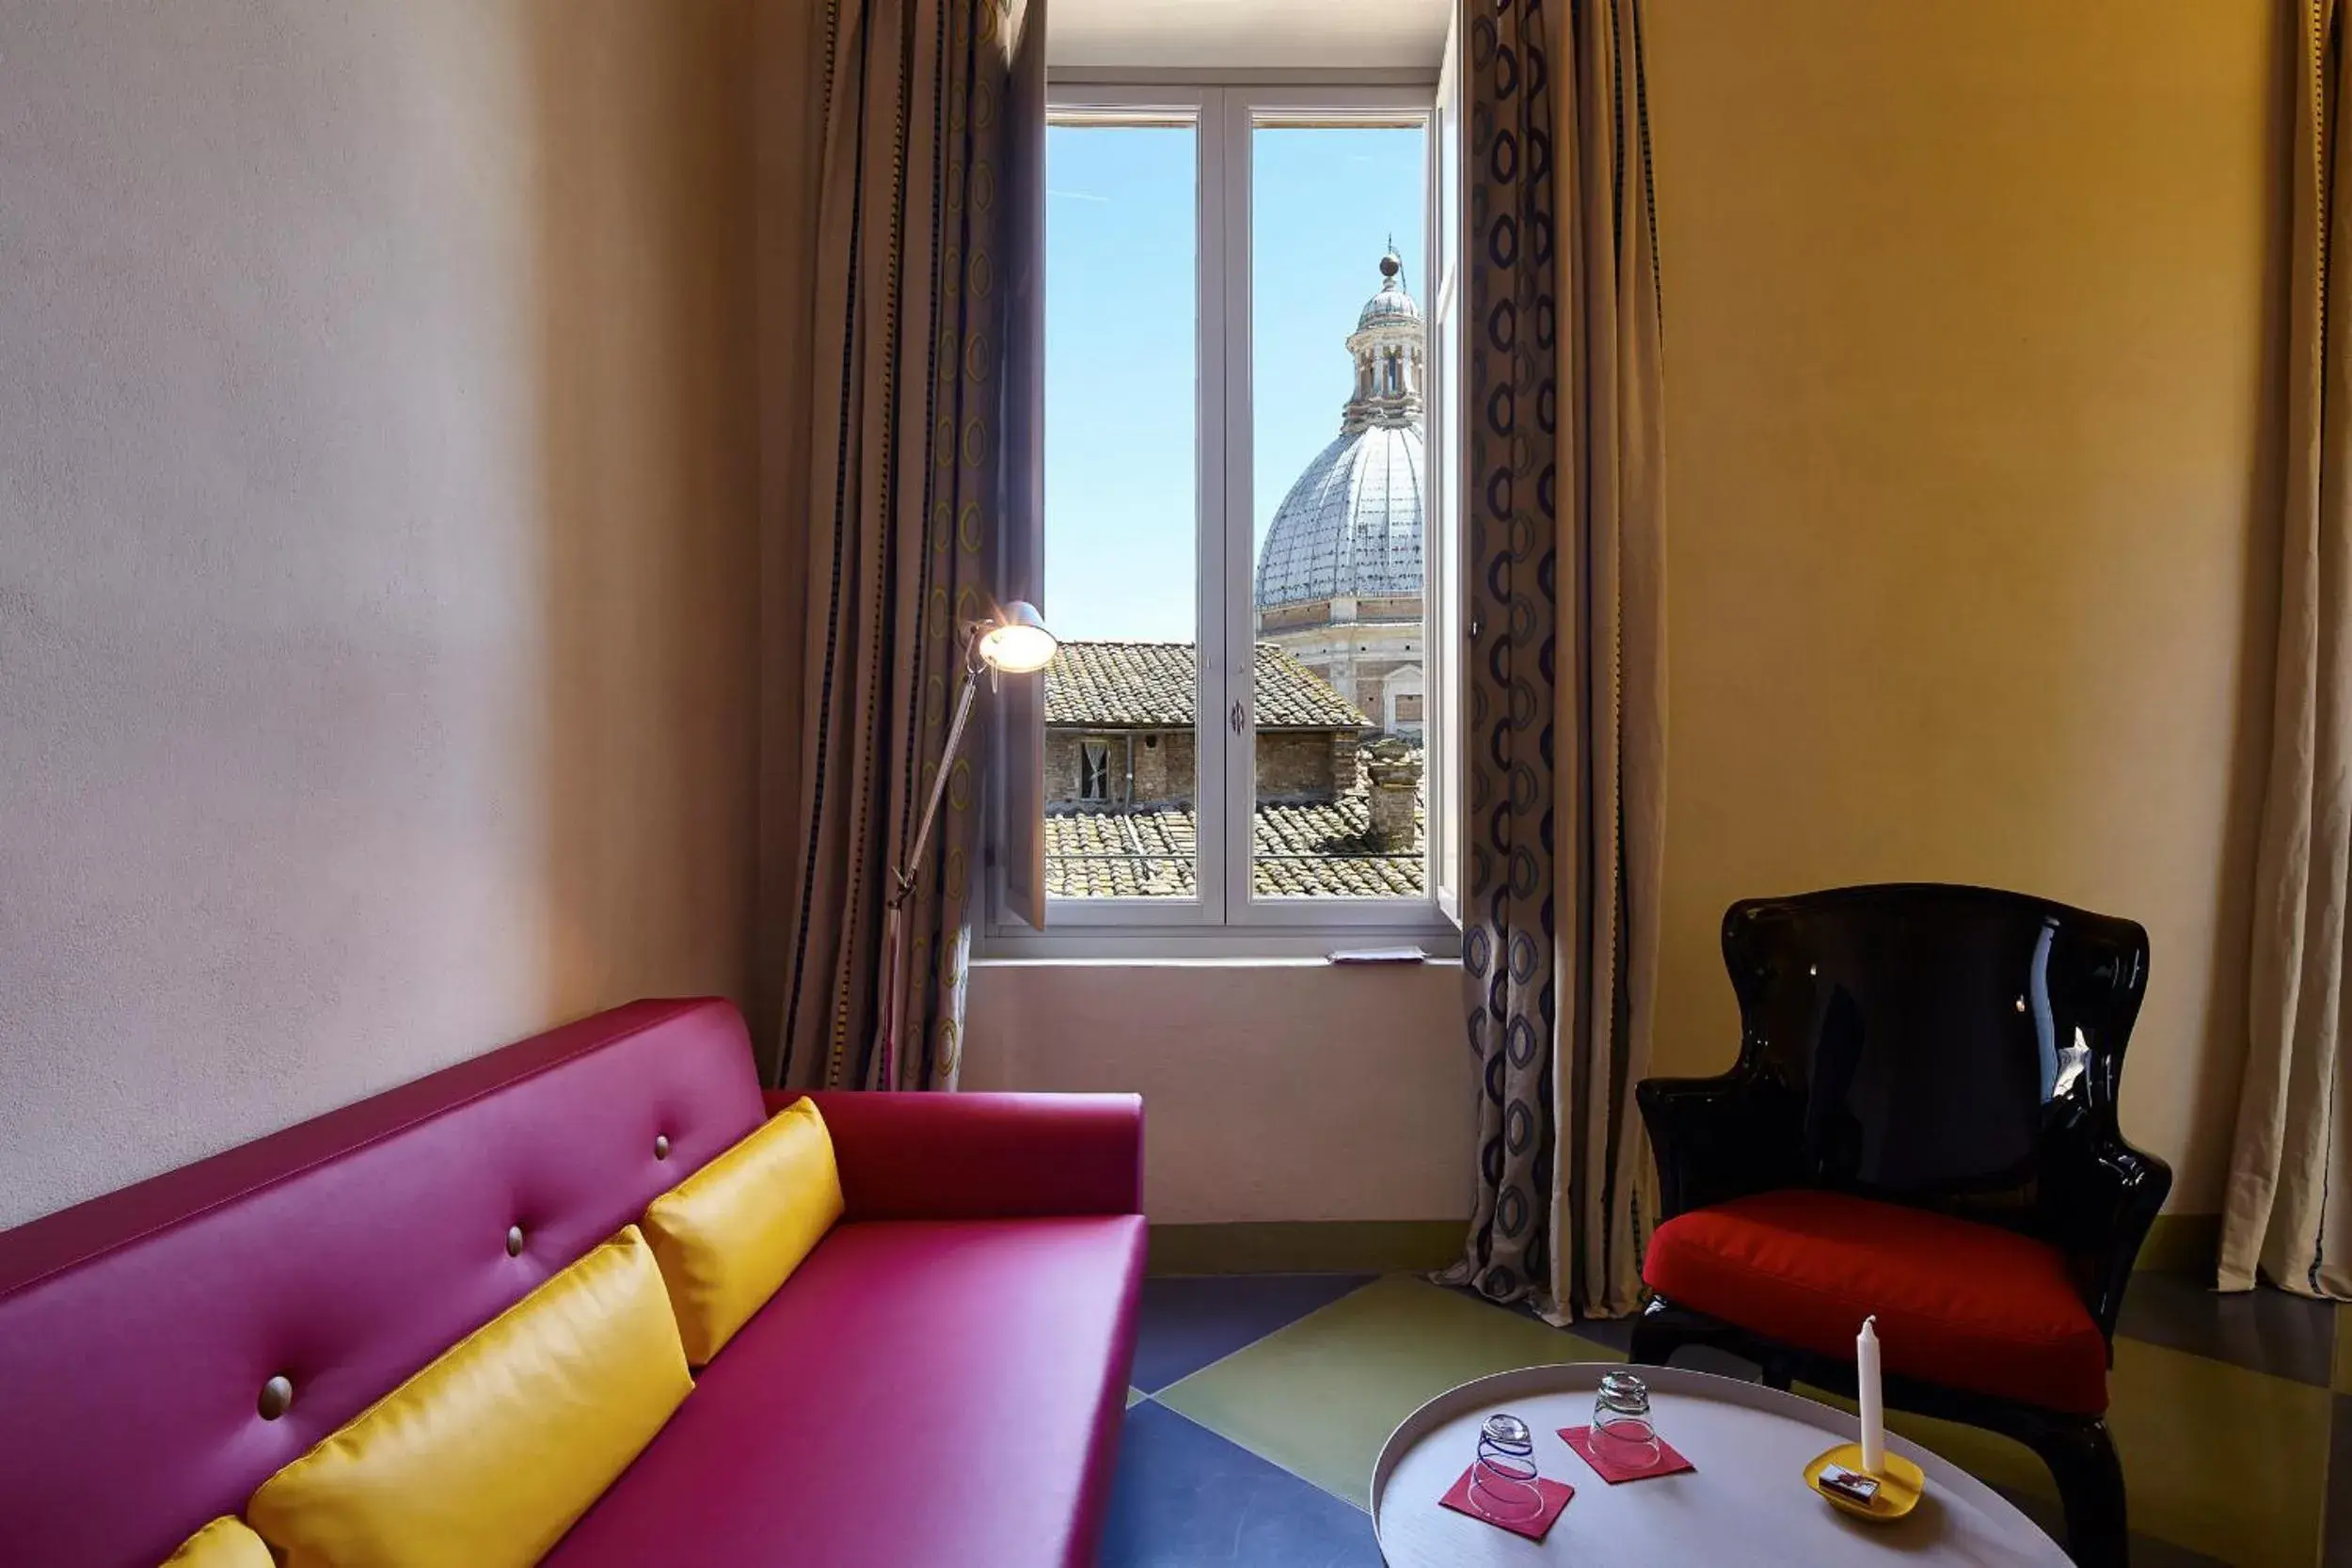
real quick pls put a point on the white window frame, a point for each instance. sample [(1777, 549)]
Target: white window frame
[(1227, 919), (1442, 623)]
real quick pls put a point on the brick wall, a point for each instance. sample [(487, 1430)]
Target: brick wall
[(1297, 765), (1294, 766), (1166, 769), (1167, 772)]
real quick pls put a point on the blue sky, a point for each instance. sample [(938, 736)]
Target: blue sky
[(1120, 363)]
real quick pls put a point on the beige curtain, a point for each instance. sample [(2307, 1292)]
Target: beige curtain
[(2285, 1214), (1564, 738), (902, 141)]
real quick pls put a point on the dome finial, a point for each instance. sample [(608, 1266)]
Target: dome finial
[(1390, 265)]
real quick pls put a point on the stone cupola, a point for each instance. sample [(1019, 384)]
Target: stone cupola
[(1388, 346)]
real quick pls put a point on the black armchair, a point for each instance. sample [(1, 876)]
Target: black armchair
[(1951, 1049)]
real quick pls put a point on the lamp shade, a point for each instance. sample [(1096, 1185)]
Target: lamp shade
[(1018, 643)]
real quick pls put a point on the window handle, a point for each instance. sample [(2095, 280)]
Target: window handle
[(1238, 717)]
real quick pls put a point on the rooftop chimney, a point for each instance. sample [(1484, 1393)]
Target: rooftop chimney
[(1394, 769)]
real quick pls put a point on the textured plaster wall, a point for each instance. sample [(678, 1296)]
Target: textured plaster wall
[(1272, 1091), (376, 471), (1970, 320)]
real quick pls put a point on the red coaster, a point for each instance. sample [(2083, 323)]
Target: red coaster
[(1534, 1526), (1610, 1471)]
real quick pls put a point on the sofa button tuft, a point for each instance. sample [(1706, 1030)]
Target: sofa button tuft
[(276, 1397), (661, 1145), (514, 1241)]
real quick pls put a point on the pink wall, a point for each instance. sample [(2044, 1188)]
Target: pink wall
[(1274, 1090), (375, 479)]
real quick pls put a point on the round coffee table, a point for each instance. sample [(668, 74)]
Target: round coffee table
[(1745, 1501)]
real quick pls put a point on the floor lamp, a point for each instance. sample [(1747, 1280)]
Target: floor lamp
[(1015, 642)]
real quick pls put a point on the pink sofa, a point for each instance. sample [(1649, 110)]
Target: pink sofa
[(941, 1382)]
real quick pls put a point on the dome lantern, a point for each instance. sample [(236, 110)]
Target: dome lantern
[(1388, 346)]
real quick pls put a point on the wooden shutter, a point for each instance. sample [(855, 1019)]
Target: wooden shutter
[(1019, 816)]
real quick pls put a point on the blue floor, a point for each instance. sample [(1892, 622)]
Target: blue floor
[(1187, 1322), (1187, 1497)]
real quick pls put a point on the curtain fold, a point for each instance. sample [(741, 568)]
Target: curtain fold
[(891, 427), (2285, 1214), (1565, 678)]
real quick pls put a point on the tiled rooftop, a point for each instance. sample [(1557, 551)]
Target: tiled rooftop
[(1152, 686), (1296, 851), (1328, 851)]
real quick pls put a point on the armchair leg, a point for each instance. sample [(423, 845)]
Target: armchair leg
[(2082, 1460), (1664, 1328), (1655, 1342), (2078, 1450)]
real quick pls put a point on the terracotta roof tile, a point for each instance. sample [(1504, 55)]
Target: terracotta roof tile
[(1144, 685), (1296, 851)]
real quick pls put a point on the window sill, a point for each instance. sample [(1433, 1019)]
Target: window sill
[(1214, 946), (1260, 960)]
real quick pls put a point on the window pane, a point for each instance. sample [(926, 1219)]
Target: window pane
[(1338, 356), (1121, 513)]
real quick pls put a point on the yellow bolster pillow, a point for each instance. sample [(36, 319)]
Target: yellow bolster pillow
[(733, 1232), (223, 1544), (484, 1458)]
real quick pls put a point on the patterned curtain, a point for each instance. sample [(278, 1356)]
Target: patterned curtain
[(901, 267), (2287, 1212), (1566, 675)]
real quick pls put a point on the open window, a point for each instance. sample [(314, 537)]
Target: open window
[(1248, 729)]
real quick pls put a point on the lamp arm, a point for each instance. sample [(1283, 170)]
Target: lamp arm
[(902, 878)]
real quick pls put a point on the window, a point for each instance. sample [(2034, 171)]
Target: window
[(1240, 511), (1094, 771)]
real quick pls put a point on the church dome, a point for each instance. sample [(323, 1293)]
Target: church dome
[(1351, 525)]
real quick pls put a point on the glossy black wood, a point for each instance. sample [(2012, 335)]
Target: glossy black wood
[(1958, 1049)]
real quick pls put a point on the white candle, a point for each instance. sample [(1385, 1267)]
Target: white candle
[(1865, 1356)]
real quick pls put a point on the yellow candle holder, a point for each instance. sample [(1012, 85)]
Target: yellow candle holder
[(1901, 1484)]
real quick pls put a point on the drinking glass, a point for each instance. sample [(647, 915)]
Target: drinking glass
[(1623, 1430), (1503, 1483)]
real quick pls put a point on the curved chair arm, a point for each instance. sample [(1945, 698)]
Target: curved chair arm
[(2104, 1205), (1719, 1138)]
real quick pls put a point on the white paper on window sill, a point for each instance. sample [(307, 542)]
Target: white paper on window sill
[(1379, 956)]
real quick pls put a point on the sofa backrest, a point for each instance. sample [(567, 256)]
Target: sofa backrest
[(137, 1331)]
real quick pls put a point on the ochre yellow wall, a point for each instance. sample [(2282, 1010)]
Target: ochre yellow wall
[(376, 565), (1968, 318)]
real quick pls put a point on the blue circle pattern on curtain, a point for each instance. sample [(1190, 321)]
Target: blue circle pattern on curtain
[(1511, 406)]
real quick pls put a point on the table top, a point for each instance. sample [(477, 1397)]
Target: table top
[(1745, 1501)]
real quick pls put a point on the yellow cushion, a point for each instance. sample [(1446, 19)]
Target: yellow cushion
[(733, 1232), (484, 1458), (223, 1544)]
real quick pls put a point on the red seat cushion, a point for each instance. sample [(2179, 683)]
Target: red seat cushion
[(919, 1394), (1967, 1306)]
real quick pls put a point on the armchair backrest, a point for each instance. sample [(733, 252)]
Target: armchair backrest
[(1953, 1047)]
